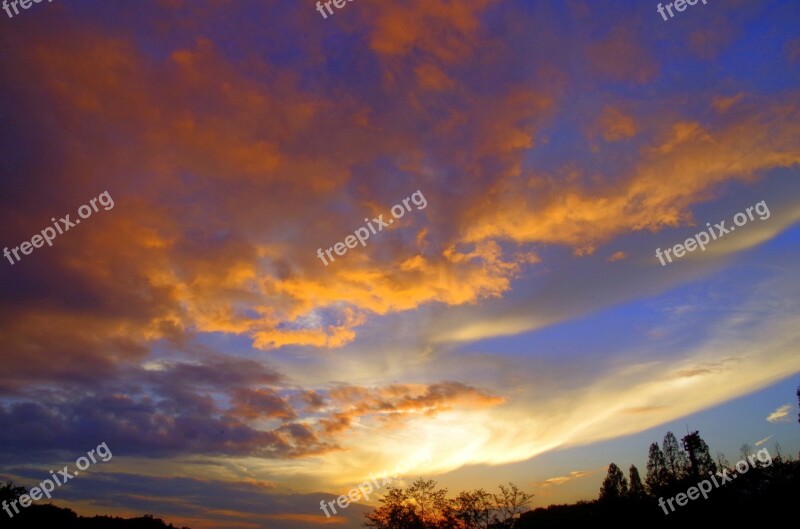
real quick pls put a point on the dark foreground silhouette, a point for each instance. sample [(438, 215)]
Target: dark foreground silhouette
[(760, 488), (59, 518)]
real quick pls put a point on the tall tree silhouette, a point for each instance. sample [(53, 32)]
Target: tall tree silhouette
[(677, 464), (775, 482), (656, 478), (701, 462), (615, 486), (636, 490)]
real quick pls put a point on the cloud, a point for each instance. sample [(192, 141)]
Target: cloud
[(179, 408), (441, 29), (697, 367), (402, 402), (181, 280), (561, 480), (704, 368), (699, 158), (781, 414), (722, 104), (643, 409), (140, 426), (764, 440), (614, 125), (222, 407), (256, 403), (251, 141)]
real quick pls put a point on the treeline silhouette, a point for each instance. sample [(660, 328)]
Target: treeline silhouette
[(47, 515), (764, 492), (423, 506)]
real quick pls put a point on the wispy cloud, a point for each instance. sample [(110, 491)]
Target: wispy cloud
[(575, 474), (764, 440), (781, 414)]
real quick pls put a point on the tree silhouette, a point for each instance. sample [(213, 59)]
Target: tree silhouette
[(615, 486), (474, 509), (656, 478), (722, 461), (636, 491), (423, 506), (676, 463), (510, 504), (430, 503), (775, 483), (396, 512), (9, 492), (48, 515), (778, 451), (699, 456), (745, 450)]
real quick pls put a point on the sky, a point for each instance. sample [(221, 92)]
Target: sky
[(416, 232)]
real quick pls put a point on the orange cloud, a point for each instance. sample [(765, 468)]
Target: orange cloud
[(256, 403), (225, 203), (615, 126), (432, 78), (722, 104), (440, 28), (398, 402), (695, 158)]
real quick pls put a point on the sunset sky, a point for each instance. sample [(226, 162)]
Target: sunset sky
[(517, 327)]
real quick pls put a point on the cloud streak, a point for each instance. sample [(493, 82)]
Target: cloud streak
[(781, 414)]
